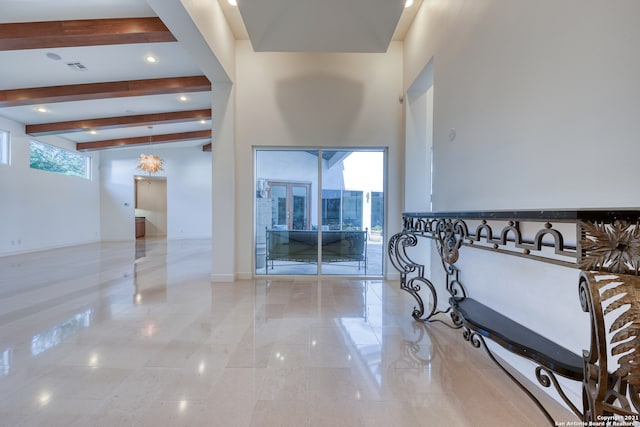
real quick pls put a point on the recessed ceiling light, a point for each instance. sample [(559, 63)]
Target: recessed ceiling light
[(183, 98), (151, 59), (233, 2), (203, 121), (408, 3), (42, 110), (93, 132)]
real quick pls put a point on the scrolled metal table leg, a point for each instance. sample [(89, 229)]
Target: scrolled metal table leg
[(397, 248), (546, 377), (478, 341)]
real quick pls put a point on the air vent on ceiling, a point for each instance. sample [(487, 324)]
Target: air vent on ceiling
[(77, 66)]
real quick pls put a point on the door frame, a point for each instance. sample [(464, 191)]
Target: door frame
[(289, 185)]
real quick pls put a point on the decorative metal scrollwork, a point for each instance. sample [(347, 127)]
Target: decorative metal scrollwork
[(472, 337), (398, 252), (401, 261), (611, 247), (450, 234), (546, 378), (612, 386), (477, 341)]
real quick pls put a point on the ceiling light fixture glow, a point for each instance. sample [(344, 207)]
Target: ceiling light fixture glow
[(151, 59), (42, 110), (183, 98), (408, 4)]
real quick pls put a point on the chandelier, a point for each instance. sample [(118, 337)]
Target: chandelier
[(149, 162)]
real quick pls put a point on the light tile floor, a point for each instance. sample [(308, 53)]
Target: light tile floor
[(117, 334)]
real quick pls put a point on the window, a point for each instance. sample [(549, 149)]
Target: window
[(54, 159), (4, 147)]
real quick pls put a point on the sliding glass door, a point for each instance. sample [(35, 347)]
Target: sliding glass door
[(352, 234), (319, 212)]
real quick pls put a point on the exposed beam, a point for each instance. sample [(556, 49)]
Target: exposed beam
[(117, 122), (143, 140), (83, 92), (90, 32), (206, 147)]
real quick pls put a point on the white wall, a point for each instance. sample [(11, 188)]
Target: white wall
[(315, 100), (543, 98), (188, 172), (42, 210)]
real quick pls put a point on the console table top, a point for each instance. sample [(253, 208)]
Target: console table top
[(588, 214)]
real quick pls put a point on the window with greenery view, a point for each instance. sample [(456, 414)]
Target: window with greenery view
[(54, 159), (4, 147)]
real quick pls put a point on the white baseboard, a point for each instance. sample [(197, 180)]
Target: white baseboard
[(47, 247), (223, 278)]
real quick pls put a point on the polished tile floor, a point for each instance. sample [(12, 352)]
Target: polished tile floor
[(117, 334)]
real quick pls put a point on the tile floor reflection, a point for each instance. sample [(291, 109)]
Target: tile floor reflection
[(123, 334)]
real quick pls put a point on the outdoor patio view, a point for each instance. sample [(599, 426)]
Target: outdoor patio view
[(319, 212)]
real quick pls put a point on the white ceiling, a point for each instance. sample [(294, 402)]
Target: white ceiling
[(274, 25), (239, 30), (320, 26)]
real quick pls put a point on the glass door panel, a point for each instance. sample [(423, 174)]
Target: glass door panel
[(331, 215), (279, 206), (350, 179), (300, 200), (286, 224), (352, 210)]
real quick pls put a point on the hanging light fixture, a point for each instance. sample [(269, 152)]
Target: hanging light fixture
[(149, 162)]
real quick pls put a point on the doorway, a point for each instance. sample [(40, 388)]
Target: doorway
[(151, 204), (291, 204)]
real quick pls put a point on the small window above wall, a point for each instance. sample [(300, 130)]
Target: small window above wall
[(55, 159), (4, 147)]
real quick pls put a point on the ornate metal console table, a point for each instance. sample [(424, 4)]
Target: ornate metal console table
[(582, 239), (602, 240)]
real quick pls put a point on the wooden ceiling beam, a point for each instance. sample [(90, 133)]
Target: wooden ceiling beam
[(89, 32), (206, 147), (117, 122), (143, 140), (88, 91)]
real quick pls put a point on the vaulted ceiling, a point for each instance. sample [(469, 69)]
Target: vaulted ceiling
[(80, 70)]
